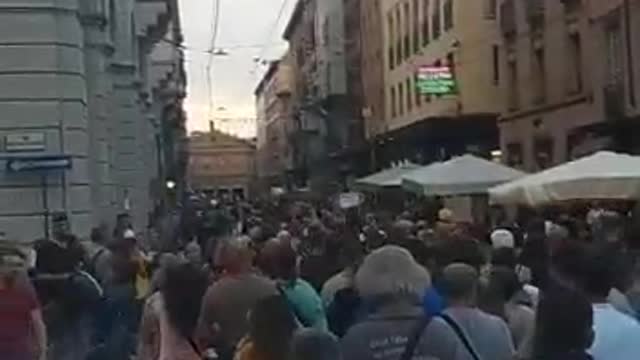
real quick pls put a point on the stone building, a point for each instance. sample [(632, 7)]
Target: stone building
[(572, 76), (273, 104), (460, 35), (221, 164), (83, 79)]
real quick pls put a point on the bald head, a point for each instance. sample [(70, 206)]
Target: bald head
[(461, 283), (235, 254)]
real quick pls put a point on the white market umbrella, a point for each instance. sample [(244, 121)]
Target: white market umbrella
[(465, 175), (387, 178), (602, 176)]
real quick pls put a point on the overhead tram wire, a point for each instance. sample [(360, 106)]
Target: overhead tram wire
[(274, 28), (215, 26)]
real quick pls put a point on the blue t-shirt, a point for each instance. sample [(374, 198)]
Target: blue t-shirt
[(307, 303), (432, 302), (617, 334)]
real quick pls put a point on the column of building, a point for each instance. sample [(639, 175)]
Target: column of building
[(43, 102)]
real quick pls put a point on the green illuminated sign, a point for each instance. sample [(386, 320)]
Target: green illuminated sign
[(436, 80)]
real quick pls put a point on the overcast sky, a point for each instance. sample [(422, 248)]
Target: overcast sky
[(246, 31)]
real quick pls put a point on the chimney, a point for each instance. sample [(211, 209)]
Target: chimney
[(212, 126)]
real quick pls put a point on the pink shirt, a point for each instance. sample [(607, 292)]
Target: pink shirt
[(173, 346)]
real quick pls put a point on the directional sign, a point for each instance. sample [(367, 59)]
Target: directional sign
[(39, 163)]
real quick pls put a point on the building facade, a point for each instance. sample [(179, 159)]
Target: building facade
[(77, 82), (324, 40), (273, 104), (571, 72), (462, 35), (221, 164), (372, 67)]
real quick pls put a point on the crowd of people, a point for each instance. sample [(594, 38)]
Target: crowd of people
[(305, 281)]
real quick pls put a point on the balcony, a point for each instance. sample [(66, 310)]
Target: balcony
[(614, 102), (508, 23)]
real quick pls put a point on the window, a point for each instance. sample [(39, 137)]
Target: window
[(514, 86), (496, 65), (490, 9), (543, 152), (416, 89), (575, 64), (539, 76), (425, 22), (398, 36), (394, 109), (435, 19), (514, 155), (407, 30), (391, 39), (448, 15), (416, 26), (401, 99), (409, 95)]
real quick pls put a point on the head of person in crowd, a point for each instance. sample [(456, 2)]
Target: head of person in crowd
[(568, 262), (313, 344), (502, 238), (279, 260), (564, 326), (598, 273), (390, 274), (271, 328), (12, 263), (460, 250), (235, 255), (61, 229), (182, 290), (98, 235), (460, 284), (123, 221), (126, 244), (502, 286), (193, 253), (163, 262)]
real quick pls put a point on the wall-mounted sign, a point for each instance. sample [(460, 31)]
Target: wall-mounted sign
[(23, 142), (39, 163), (436, 80)]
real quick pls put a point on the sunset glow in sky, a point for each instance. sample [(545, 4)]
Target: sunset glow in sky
[(247, 30)]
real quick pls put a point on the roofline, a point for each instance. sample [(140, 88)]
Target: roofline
[(294, 19), (273, 66)]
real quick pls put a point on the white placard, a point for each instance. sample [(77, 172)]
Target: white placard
[(23, 142)]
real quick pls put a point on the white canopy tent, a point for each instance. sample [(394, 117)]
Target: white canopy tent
[(461, 176), (388, 178), (602, 176)]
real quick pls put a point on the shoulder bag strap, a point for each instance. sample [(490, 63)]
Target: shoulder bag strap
[(461, 335), (414, 339), (195, 348)]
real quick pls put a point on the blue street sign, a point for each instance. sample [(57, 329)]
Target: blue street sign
[(39, 163)]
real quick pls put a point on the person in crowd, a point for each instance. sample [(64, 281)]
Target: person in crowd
[(312, 344), (281, 265), (271, 328), (97, 254), (149, 337), (123, 223), (223, 318), (535, 253), (486, 335), (616, 333), (564, 326), (504, 288), (23, 334), (392, 284), (506, 258), (445, 225), (58, 259), (179, 304)]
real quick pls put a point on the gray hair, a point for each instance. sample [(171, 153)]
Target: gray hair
[(391, 271), (313, 344)]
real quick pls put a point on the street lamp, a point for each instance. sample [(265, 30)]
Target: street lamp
[(171, 184)]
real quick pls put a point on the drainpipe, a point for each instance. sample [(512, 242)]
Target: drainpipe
[(630, 60)]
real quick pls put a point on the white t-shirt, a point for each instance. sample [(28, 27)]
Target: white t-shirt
[(617, 334)]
